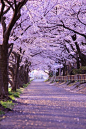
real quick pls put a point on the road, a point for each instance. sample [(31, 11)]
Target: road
[(44, 106)]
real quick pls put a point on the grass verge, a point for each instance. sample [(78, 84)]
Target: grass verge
[(9, 104), (2, 112)]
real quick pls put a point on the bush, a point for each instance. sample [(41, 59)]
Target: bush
[(25, 85), (14, 94), (7, 104), (82, 70), (2, 112)]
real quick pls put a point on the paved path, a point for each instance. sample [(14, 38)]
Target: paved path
[(44, 106)]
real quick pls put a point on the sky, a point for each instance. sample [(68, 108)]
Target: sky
[(39, 74)]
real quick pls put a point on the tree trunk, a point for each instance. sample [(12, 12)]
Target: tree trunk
[(81, 55), (2, 92), (4, 69), (78, 63), (16, 74), (64, 69), (26, 76), (14, 79)]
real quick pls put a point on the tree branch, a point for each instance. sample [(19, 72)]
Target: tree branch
[(79, 19), (62, 25), (3, 24), (9, 3), (15, 17), (2, 9), (72, 30), (11, 48)]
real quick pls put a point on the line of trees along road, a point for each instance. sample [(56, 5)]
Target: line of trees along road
[(6, 48)]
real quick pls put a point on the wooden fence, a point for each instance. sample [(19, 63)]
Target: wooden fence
[(77, 77)]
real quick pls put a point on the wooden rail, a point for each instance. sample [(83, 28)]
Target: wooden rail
[(77, 77)]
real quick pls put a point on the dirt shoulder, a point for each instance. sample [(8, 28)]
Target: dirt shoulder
[(72, 87)]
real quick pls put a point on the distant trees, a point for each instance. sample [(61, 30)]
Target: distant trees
[(18, 74)]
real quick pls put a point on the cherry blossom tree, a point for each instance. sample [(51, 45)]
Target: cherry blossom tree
[(13, 8), (51, 26), (67, 20)]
